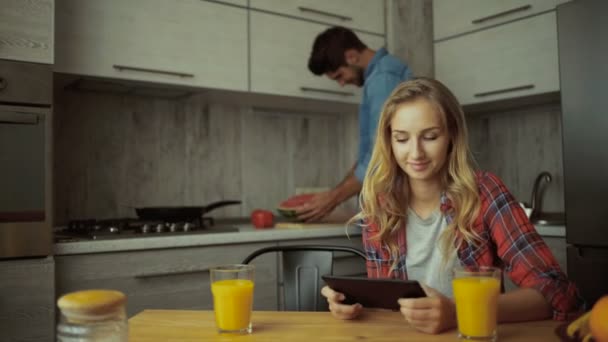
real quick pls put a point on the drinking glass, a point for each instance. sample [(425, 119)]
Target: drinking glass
[(232, 289), (476, 291)]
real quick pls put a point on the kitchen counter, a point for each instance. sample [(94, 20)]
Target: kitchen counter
[(246, 234), (551, 231)]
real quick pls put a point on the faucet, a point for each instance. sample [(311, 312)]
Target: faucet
[(537, 193)]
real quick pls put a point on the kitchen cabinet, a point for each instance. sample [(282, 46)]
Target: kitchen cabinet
[(280, 47), (25, 82), (452, 18), (26, 30), (27, 299), (167, 278), (186, 42), (507, 61), (363, 15)]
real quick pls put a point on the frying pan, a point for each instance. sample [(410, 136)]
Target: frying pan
[(179, 213)]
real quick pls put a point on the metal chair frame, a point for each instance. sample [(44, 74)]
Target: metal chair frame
[(300, 273)]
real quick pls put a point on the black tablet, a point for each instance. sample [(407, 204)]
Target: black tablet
[(374, 293)]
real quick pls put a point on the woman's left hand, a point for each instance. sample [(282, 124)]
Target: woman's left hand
[(432, 314)]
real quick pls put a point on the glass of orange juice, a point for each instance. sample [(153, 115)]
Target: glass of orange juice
[(232, 290), (476, 293)]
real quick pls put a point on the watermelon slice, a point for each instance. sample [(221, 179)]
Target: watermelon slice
[(286, 208)]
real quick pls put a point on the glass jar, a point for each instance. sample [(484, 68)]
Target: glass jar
[(93, 316)]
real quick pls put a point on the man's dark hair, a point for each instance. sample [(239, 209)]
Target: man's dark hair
[(328, 49)]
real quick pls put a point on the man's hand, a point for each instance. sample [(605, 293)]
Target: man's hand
[(339, 310), (432, 314), (318, 207)]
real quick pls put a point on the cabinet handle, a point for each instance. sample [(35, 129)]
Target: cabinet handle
[(3, 84), (327, 14), (506, 90), (498, 15), (18, 118), (153, 71), (169, 274), (327, 91)]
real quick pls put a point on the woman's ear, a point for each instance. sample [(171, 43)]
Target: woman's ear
[(351, 56)]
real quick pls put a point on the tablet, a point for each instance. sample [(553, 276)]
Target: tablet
[(374, 293)]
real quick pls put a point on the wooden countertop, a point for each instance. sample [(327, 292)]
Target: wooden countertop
[(179, 325)]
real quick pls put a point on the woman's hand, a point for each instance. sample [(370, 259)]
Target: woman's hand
[(432, 314), (339, 310)]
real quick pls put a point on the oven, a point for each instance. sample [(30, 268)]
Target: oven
[(25, 191)]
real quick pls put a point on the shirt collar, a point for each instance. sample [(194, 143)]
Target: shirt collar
[(381, 52)]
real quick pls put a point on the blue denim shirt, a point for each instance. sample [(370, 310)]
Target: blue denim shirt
[(381, 76)]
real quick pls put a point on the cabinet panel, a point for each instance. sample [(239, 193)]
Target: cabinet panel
[(26, 30), (186, 42), (27, 300), (507, 61), (366, 15), (456, 17), (280, 48), (25, 83), (165, 279)]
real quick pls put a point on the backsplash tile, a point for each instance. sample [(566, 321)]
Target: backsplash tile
[(115, 152), (517, 145)]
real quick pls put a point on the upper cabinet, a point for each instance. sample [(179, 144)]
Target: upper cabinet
[(363, 15), (26, 30), (280, 48), (451, 17), (185, 42), (506, 61)]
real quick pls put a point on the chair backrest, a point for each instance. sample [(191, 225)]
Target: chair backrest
[(300, 283)]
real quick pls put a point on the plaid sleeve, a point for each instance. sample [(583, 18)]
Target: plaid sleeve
[(526, 258), (379, 261)]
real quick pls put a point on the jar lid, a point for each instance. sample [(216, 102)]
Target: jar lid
[(91, 302)]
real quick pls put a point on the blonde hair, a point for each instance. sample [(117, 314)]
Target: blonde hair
[(384, 198)]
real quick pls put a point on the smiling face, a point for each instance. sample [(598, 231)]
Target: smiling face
[(419, 140)]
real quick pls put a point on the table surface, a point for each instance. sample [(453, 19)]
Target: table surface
[(384, 326)]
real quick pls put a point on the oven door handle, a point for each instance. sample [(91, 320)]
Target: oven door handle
[(170, 273), (19, 118)]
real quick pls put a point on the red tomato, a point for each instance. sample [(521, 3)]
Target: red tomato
[(262, 218)]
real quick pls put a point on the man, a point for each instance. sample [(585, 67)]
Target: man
[(339, 54)]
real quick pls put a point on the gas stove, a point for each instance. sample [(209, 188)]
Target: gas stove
[(123, 228)]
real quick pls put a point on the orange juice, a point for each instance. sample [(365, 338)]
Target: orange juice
[(476, 305), (232, 302)]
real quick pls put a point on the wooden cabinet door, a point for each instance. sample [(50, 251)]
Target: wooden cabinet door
[(364, 15), (185, 42), (280, 48), (451, 18), (26, 30), (27, 299), (507, 61), (165, 279)]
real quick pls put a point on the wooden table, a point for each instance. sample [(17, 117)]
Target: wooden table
[(383, 326)]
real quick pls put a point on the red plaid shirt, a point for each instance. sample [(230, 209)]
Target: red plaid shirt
[(509, 242)]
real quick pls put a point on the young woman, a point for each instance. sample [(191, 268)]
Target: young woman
[(427, 210)]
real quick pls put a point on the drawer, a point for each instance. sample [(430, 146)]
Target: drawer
[(25, 83), (364, 15), (165, 279), (452, 18), (508, 61)]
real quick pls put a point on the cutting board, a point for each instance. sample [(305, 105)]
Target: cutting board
[(301, 225)]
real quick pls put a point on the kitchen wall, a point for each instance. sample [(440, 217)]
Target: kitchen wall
[(517, 145), (114, 152)]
